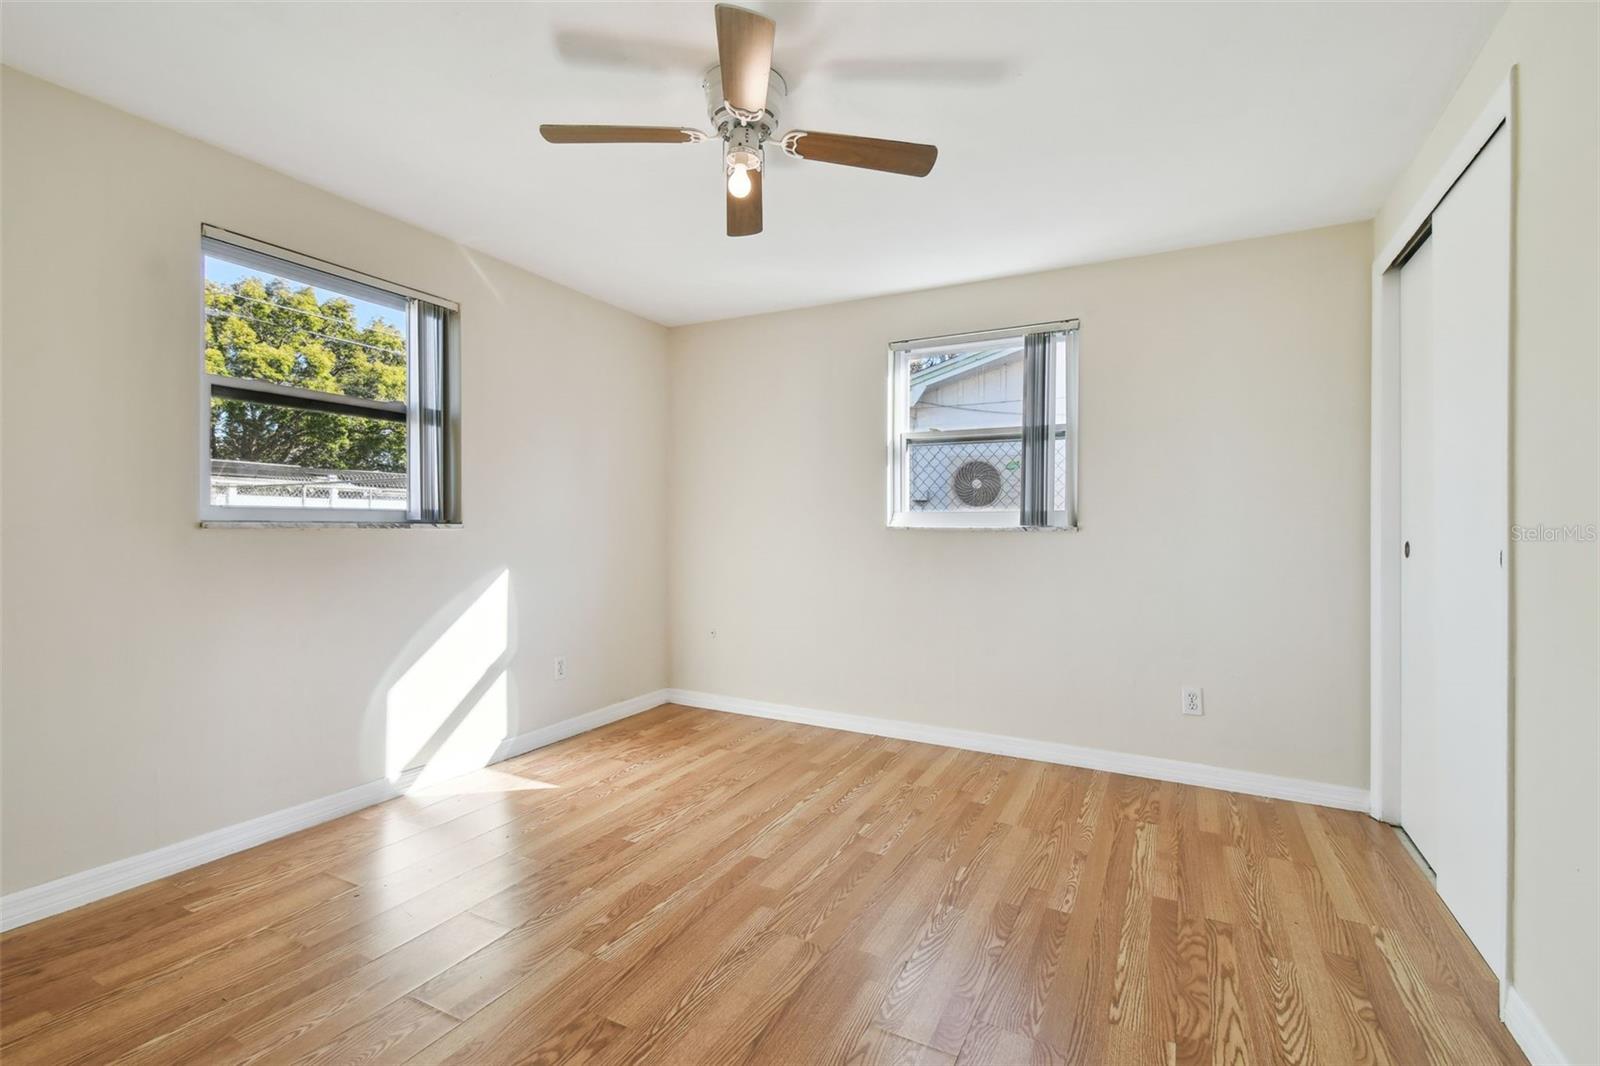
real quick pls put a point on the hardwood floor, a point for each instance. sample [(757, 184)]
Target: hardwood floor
[(693, 887)]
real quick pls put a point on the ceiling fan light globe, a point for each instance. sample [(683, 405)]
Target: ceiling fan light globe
[(739, 181)]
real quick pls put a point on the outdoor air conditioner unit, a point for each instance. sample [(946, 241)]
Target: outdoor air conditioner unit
[(976, 483)]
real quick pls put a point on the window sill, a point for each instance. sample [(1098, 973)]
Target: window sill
[(248, 524), (955, 527)]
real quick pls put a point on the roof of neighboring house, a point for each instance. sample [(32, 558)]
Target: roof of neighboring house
[(248, 471), (959, 367)]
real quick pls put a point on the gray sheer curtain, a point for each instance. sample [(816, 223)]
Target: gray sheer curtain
[(428, 422), (1038, 429)]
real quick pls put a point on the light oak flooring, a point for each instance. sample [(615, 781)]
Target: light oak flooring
[(693, 887)]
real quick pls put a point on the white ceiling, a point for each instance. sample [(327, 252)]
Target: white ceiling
[(1066, 133)]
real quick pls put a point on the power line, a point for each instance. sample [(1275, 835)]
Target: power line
[(231, 294), (982, 407), (217, 312)]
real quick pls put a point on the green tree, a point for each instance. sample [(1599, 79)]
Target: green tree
[(273, 331)]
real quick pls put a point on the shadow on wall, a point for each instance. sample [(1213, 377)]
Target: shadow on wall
[(448, 711)]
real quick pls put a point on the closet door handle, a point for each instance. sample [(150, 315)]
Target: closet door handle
[(1408, 549)]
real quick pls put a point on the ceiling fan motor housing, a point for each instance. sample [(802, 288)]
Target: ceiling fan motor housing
[(725, 119)]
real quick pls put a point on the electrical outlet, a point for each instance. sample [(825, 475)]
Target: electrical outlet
[(561, 667), (1194, 701), (713, 634)]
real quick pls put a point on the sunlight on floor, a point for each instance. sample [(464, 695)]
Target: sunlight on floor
[(482, 781)]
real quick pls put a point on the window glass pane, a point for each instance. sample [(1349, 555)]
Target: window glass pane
[(1063, 457), (976, 388), (964, 395), (971, 475), (1058, 355), (270, 325), (263, 455), (1061, 471)]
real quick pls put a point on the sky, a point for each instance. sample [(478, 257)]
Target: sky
[(226, 273)]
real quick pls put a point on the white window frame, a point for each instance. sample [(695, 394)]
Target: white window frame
[(900, 436), (434, 466)]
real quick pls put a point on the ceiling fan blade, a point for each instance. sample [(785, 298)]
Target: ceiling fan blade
[(744, 48), (744, 212), (870, 153), (619, 134)]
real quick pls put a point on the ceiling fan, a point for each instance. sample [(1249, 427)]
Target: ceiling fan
[(743, 94)]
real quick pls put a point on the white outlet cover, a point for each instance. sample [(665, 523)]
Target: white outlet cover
[(561, 668), (1194, 701)]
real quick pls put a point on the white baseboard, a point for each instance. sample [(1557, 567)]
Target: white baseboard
[(571, 727), (74, 890), (1187, 773), (1530, 1034)]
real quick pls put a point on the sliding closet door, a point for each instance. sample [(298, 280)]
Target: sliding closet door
[(1455, 725), (1421, 802)]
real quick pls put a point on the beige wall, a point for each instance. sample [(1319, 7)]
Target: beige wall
[(1224, 510), (1555, 456), (162, 680)]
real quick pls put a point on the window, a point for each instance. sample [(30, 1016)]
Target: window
[(983, 429), (327, 393)]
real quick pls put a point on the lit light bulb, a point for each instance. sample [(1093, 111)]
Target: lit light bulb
[(739, 181)]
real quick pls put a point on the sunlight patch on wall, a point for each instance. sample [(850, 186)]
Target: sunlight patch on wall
[(426, 698), (471, 744)]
